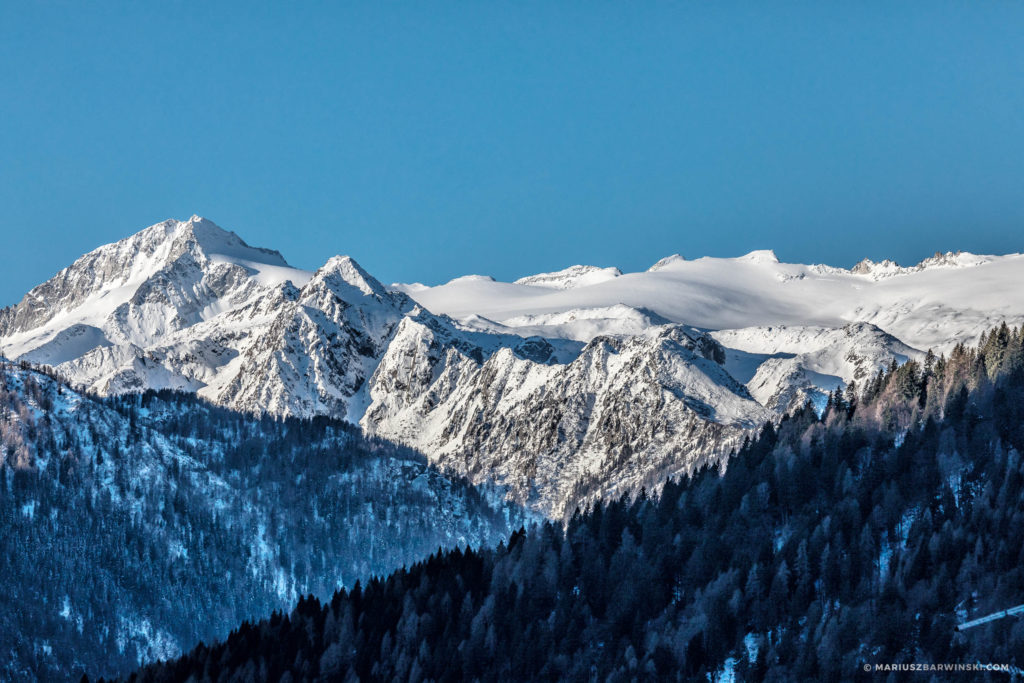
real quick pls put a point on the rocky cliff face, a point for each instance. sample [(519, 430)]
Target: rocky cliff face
[(623, 413), (317, 353)]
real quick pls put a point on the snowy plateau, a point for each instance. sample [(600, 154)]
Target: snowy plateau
[(560, 387)]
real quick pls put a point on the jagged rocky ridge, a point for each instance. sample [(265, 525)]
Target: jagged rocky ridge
[(135, 526), (562, 386), (622, 414)]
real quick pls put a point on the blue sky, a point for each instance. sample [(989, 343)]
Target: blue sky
[(429, 140)]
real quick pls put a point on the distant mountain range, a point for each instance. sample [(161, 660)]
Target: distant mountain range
[(560, 386)]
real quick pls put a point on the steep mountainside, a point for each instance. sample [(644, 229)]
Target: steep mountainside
[(135, 526), (319, 350), (169, 307), (786, 366), (622, 414)]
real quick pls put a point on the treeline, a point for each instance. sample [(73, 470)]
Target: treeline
[(860, 536)]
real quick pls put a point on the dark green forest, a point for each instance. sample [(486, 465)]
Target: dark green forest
[(859, 536)]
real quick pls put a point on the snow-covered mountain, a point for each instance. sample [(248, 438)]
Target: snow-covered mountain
[(571, 277), (624, 412), (187, 305), (791, 331), (943, 300), (168, 307), (561, 385), (140, 290), (320, 348)]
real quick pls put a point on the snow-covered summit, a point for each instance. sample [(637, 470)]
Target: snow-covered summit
[(139, 290), (881, 269), (462, 279), (345, 269), (954, 259), (760, 256), (216, 242), (171, 252), (950, 259), (568, 278), (665, 262)]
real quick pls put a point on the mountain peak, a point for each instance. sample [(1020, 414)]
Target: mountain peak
[(888, 267), (760, 256), (667, 261), (144, 267), (571, 277), (348, 270), (463, 279), (216, 243), (953, 259), (868, 267), (204, 227)]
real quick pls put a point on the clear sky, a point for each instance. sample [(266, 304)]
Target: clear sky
[(430, 140)]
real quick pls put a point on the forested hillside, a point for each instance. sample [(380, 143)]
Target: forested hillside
[(134, 527), (860, 536)]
